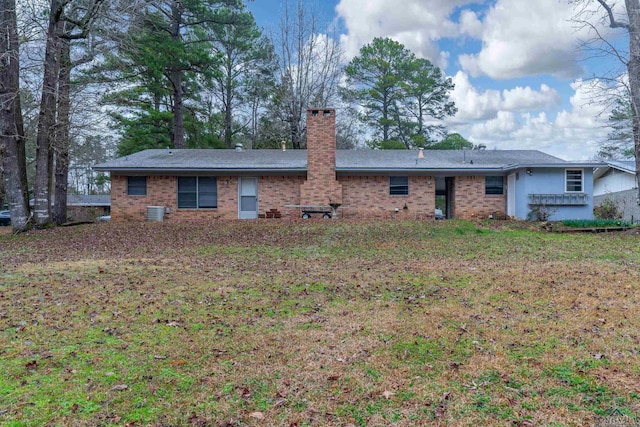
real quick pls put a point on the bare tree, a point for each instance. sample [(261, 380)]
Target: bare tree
[(11, 126), (310, 68), (630, 59)]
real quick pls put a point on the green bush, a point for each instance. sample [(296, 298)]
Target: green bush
[(586, 223)]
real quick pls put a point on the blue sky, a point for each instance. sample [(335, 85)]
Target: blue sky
[(522, 80)]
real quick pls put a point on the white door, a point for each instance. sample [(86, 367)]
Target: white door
[(248, 198), (511, 195)]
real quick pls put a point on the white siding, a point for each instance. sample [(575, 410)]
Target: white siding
[(613, 181)]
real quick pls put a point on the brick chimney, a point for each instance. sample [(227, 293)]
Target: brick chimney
[(321, 186)]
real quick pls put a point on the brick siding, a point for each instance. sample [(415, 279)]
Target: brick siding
[(85, 213), (273, 192), (368, 197), (471, 202), (321, 186), (362, 196)]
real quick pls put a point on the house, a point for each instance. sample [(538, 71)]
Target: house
[(86, 207), (205, 184), (616, 182)]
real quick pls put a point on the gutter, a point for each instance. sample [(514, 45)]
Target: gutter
[(343, 170), (162, 171)]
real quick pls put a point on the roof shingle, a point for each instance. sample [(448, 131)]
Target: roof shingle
[(346, 160)]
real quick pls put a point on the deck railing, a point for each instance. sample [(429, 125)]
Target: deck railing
[(563, 199)]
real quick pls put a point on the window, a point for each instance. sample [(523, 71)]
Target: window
[(494, 185), (573, 180), (398, 185), (137, 185), (199, 192)]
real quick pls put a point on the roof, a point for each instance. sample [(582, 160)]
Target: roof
[(85, 200), (623, 165), (295, 161), (88, 200), (628, 166)]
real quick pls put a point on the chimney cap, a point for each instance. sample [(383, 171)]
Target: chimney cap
[(326, 112)]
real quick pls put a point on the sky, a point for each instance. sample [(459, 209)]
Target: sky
[(522, 78)]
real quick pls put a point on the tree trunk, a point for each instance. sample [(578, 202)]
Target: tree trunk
[(176, 79), (46, 122), (61, 143), (2, 184), (11, 128), (178, 110), (228, 118), (296, 142), (633, 68)]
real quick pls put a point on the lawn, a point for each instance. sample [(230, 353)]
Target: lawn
[(320, 323)]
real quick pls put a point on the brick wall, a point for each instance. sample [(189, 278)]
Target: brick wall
[(86, 213), (273, 192), (321, 185), (368, 197), (471, 202), (162, 191), (365, 197)]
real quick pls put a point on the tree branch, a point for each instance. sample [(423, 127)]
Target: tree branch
[(612, 20)]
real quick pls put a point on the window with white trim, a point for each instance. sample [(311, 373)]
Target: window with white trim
[(399, 185), (574, 180), (197, 192)]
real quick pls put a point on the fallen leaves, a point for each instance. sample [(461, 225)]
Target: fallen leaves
[(245, 393), (257, 415), (442, 405), (310, 322)]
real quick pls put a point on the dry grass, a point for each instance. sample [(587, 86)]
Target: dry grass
[(317, 323)]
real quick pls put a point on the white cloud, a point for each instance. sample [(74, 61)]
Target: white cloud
[(574, 133), (586, 112), (475, 105), (522, 38), (525, 98), (470, 24), (504, 123), (417, 24)]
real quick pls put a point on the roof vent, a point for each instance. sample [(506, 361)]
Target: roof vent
[(284, 146), (421, 153), (239, 146)]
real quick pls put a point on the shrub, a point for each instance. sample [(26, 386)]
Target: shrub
[(608, 210), (540, 213), (586, 223)]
